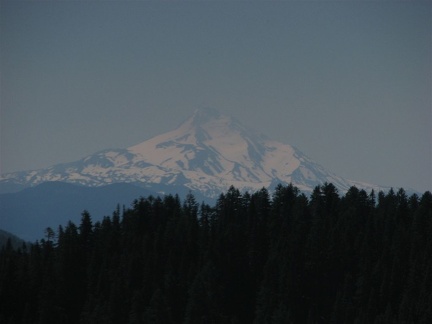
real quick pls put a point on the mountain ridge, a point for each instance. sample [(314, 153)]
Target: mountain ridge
[(29, 212), (208, 152)]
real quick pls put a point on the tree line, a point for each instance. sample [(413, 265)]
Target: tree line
[(249, 258)]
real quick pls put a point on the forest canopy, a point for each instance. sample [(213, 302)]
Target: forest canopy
[(251, 258)]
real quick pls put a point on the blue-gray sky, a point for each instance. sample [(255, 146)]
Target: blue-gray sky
[(346, 82)]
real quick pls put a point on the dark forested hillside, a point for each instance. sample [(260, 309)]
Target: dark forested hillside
[(251, 258)]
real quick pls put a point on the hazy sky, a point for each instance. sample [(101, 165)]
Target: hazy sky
[(348, 83)]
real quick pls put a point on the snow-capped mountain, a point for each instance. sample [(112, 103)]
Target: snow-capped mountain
[(208, 153)]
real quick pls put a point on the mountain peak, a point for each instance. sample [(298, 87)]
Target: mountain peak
[(204, 115), (209, 123)]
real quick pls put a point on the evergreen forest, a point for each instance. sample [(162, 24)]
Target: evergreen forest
[(249, 258)]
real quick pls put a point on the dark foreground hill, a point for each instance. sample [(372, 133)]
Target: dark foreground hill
[(356, 258)]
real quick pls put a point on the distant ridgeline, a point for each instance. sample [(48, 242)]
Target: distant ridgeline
[(250, 258), (9, 238)]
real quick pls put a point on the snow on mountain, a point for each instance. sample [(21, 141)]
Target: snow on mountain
[(208, 153)]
